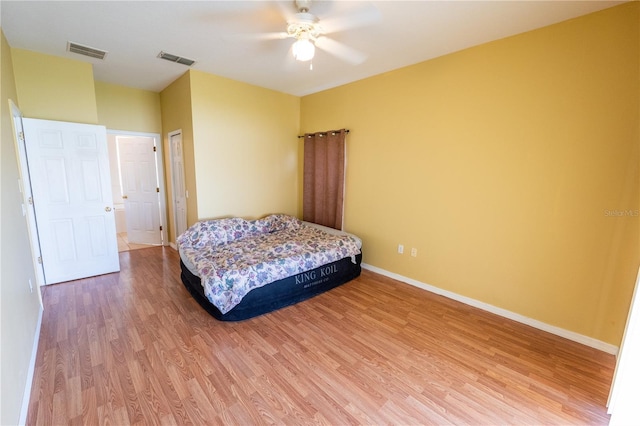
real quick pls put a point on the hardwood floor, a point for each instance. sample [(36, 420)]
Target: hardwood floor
[(135, 348)]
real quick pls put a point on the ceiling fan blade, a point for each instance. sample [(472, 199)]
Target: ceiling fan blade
[(359, 16), (340, 50), (258, 36)]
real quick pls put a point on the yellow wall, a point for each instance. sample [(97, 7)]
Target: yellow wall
[(126, 108), (246, 151), (175, 102), (505, 165), (19, 309), (54, 88)]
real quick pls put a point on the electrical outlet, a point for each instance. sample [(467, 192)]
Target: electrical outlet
[(400, 249), (414, 252)]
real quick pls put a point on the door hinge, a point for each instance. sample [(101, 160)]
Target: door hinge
[(161, 227), (157, 189), (30, 200), (155, 149), (21, 136), (40, 260)]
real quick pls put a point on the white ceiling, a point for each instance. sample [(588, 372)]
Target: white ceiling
[(217, 34)]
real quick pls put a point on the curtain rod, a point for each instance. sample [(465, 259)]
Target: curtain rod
[(346, 131)]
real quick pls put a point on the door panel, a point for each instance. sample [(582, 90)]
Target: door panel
[(56, 182), (70, 180), (65, 247), (90, 182)]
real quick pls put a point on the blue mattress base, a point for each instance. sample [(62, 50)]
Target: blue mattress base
[(278, 294)]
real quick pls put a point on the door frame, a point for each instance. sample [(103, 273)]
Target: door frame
[(27, 199), (173, 191), (160, 168)]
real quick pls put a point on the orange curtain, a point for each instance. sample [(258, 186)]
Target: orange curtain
[(324, 164)]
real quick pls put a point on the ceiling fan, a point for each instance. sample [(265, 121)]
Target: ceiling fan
[(310, 32), (306, 29)]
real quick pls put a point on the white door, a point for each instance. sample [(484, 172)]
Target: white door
[(177, 178), (140, 188), (69, 167)]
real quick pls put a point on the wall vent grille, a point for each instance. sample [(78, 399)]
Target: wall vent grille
[(175, 58), (92, 52)]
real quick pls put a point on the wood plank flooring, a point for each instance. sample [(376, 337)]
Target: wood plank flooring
[(135, 348)]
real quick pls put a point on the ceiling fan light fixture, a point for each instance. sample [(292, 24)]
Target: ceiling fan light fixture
[(303, 50)]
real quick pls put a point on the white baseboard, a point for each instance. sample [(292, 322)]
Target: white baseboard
[(576, 337), (32, 367), (173, 246)]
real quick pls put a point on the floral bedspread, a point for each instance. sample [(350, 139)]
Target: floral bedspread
[(233, 256)]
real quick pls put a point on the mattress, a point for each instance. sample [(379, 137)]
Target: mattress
[(229, 298)]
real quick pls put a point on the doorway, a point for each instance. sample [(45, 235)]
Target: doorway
[(137, 180)]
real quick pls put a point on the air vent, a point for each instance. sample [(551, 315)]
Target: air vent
[(92, 52), (176, 58)]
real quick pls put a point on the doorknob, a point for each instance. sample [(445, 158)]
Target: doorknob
[(107, 209), (124, 197)]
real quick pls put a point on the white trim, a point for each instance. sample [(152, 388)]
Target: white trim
[(576, 337), (173, 246), (26, 398)]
